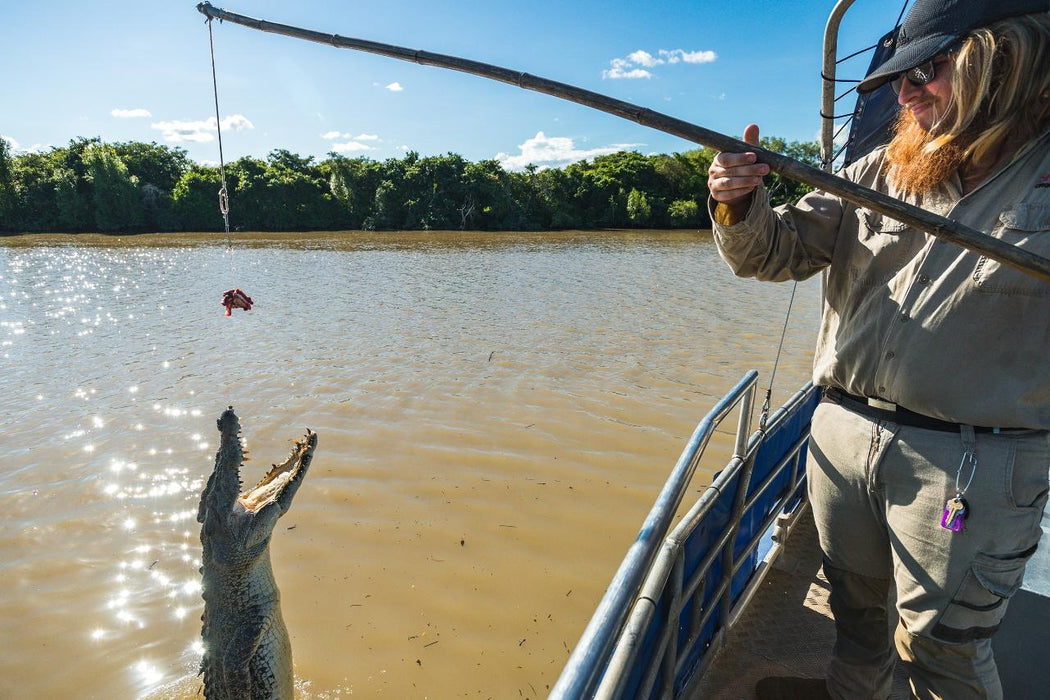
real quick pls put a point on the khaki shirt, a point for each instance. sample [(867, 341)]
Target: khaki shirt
[(910, 318)]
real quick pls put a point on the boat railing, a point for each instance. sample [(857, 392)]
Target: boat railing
[(672, 601)]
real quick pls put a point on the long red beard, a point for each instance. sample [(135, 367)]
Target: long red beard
[(913, 166)]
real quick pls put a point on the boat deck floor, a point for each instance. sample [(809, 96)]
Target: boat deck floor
[(786, 630)]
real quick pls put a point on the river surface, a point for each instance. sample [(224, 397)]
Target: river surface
[(495, 411)]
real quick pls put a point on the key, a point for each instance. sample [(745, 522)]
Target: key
[(955, 512)]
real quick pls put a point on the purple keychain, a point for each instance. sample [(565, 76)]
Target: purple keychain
[(957, 509), (955, 512)]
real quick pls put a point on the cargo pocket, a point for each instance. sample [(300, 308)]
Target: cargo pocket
[(1025, 226), (980, 603)]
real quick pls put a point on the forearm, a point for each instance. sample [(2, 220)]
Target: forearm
[(791, 242)]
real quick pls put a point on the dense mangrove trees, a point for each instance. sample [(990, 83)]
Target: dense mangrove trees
[(129, 187)]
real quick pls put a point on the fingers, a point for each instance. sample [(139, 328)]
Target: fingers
[(751, 134), (732, 176), (735, 175)]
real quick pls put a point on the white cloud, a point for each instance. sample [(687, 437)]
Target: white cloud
[(199, 131), (333, 135), (350, 147), (621, 69), (235, 122), (676, 55), (131, 113), (635, 64), (16, 148), (394, 87), (644, 58), (543, 150)]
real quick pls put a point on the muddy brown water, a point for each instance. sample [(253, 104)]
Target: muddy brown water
[(496, 413)]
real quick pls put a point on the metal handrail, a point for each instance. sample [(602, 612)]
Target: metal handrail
[(667, 569), (737, 470), (581, 675), (828, 71)]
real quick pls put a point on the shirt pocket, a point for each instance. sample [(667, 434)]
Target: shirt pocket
[(885, 246), (1026, 226)]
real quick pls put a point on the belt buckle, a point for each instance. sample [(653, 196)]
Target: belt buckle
[(882, 405)]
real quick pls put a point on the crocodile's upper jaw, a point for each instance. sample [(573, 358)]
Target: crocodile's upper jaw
[(282, 478), (223, 496)]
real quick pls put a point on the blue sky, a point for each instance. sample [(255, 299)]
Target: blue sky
[(141, 71)]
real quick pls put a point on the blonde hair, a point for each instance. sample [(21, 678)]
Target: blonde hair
[(1000, 87)]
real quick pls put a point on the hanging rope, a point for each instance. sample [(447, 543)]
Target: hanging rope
[(233, 298), (764, 413), (224, 196)]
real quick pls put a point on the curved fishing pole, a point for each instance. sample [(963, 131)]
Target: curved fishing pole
[(939, 226)]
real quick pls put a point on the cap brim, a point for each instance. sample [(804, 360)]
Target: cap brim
[(906, 57)]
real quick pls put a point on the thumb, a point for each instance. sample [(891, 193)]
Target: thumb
[(751, 134)]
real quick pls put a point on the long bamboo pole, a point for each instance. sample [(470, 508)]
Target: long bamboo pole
[(939, 226)]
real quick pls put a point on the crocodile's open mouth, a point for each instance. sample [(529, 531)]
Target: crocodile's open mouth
[(281, 476)]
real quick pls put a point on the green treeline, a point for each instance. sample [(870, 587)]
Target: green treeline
[(131, 187)]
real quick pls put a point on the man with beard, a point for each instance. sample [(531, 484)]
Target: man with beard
[(929, 455)]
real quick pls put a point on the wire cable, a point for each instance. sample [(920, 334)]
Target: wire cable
[(224, 195)]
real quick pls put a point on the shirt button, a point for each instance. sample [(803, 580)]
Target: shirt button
[(924, 279), (905, 318), (882, 391), (889, 355)]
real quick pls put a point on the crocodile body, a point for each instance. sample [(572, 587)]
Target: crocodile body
[(247, 653)]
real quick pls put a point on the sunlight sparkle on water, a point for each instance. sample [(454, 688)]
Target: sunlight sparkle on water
[(148, 672)]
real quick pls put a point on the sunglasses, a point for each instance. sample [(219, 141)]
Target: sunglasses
[(918, 76)]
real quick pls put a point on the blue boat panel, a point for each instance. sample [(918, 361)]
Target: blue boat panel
[(777, 444)]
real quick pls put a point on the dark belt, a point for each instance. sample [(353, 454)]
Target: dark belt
[(887, 411)]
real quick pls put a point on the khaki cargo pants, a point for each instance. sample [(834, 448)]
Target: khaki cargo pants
[(878, 492)]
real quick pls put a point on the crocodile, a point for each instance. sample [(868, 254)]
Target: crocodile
[(247, 653)]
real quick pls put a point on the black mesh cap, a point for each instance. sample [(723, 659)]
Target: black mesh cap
[(933, 26)]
